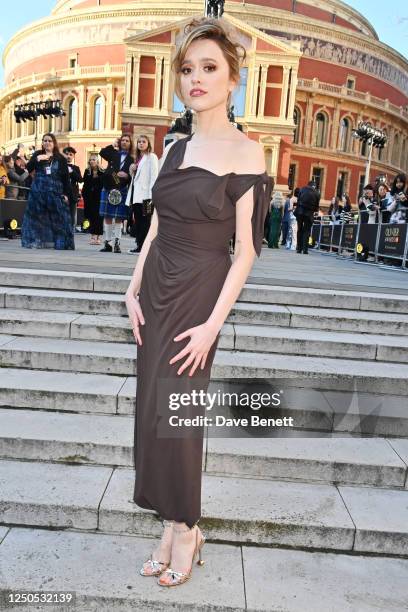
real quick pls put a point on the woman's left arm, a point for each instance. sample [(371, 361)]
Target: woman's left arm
[(154, 170), (203, 336)]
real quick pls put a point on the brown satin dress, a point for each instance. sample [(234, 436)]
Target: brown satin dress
[(183, 275)]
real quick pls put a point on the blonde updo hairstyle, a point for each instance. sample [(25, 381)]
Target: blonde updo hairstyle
[(218, 30)]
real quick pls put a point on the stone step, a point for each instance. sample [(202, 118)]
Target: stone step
[(235, 510), (120, 359), (325, 411), (108, 440), (268, 294), (257, 338), (242, 312), (233, 578)]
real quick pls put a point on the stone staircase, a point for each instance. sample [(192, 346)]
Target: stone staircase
[(324, 497)]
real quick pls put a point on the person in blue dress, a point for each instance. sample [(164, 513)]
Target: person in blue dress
[(47, 219)]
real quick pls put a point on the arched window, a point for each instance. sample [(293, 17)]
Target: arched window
[(296, 121), (97, 113), (395, 156), (344, 135), (72, 115), (321, 130)]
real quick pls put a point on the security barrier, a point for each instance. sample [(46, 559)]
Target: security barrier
[(381, 241)]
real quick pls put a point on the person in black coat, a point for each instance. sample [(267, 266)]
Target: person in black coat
[(75, 177), (116, 177), (307, 205), (91, 193)]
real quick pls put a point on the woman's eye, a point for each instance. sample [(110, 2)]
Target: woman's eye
[(209, 66)]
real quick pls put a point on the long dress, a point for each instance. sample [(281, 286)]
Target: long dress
[(47, 218), (91, 193), (183, 275)]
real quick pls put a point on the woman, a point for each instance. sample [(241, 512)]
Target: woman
[(275, 220), (335, 211), (3, 178), (384, 200), (286, 219), (292, 233), (398, 206), (91, 193), (116, 180), (47, 218), (346, 214), (210, 183), (15, 179), (144, 173)]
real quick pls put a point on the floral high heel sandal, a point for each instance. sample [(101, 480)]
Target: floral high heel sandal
[(151, 567), (170, 577)]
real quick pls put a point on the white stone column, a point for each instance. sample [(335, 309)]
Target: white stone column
[(262, 93), (136, 75), (157, 83), (292, 94), (285, 93), (81, 109), (128, 76), (167, 104), (109, 107)]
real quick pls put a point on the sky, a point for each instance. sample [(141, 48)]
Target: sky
[(389, 18)]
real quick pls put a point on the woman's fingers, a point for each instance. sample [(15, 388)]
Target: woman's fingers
[(196, 362), (181, 354), (203, 360), (186, 363)]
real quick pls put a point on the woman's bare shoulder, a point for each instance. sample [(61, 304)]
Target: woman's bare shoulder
[(249, 157)]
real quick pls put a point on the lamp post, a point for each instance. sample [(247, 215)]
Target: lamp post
[(374, 137), (214, 8)]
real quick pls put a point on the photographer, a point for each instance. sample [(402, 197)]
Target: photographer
[(16, 180), (398, 208), (367, 206), (335, 210), (3, 178), (384, 200)]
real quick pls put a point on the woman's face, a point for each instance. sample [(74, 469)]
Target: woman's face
[(47, 144), (333, 201), (205, 68), (93, 162), (142, 144), (399, 184), (125, 143), (382, 191)]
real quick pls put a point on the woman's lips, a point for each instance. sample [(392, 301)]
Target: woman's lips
[(195, 94)]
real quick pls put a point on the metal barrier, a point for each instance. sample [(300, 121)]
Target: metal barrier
[(382, 241)]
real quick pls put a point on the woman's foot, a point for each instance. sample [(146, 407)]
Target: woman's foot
[(160, 558), (186, 544)]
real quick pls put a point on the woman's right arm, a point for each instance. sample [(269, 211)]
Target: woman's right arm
[(132, 300)]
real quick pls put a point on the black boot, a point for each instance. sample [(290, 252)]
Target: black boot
[(107, 248), (116, 248)]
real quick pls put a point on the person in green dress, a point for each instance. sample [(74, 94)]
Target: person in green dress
[(275, 220)]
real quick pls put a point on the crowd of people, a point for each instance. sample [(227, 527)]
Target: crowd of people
[(290, 219), (118, 198)]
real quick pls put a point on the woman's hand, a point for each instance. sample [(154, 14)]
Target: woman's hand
[(122, 174), (43, 156), (132, 169), (65, 198), (202, 337), (135, 314)]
